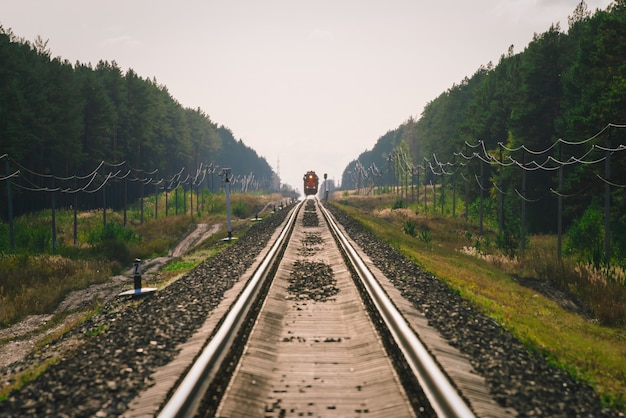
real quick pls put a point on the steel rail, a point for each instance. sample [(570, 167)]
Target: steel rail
[(188, 395), (444, 398)]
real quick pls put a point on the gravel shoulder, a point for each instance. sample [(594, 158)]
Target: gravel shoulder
[(26, 334), (102, 364), (115, 353)]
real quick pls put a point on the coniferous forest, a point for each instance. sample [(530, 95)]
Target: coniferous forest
[(74, 129), (540, 136)]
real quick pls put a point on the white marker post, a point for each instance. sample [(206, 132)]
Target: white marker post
[(138, 290)]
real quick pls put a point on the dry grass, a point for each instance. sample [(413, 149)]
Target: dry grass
[(36, 284), (158, 236), (471, 265), (34, 280)]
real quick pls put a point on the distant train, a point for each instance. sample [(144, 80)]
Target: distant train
[(311, 181)]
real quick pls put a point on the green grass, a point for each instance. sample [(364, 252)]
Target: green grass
[(183, 265), (35, 277), (26, 376), (36, 284), (588, 350)]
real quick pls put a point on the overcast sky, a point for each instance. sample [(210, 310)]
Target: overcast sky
[(308, 84)]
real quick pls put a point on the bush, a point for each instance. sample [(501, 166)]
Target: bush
[(5, 239), (508, 241), (425, 235), (112, 232), (240, 209), (510, 238), (114, 250), (490, 207), (409, 228), (398, 204), (586, 237), (33, 236), (111, 242)]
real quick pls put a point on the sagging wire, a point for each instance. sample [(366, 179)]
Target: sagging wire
[(10, 176), (610, 183), (524, 198)]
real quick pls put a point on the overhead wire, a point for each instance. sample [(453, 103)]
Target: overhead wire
[(570, 195), (610, 183), (524, 198), (10, 176), (550, 163)]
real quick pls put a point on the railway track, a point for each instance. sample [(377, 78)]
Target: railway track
[(128, 359), (313, 348)]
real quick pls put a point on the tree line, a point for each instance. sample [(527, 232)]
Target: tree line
[(567, 86), (62, 120)]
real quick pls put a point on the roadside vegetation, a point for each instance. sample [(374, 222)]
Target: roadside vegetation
[(571, 311), (37, 275)]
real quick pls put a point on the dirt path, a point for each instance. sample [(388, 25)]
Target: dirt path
[(189, 242), (22, 342)]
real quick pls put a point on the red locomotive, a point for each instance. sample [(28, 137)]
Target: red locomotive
[(311, 181)]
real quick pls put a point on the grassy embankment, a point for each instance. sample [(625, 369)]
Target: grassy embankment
[(588, 349), (34, 278)]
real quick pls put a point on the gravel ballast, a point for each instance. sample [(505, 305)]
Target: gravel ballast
[(518, 379), (121, 347), (118, 349)]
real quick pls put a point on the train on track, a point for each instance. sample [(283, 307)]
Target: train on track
[(311, 182)]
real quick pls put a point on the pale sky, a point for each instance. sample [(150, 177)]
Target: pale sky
[(311, 83)]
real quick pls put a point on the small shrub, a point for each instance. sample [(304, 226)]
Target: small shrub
[(398, 204), (425, 235), (33, 237), (100, 329), (508, 242), (409, 228), (586, 237), (240, 209), (112, 232), (114, 251)]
